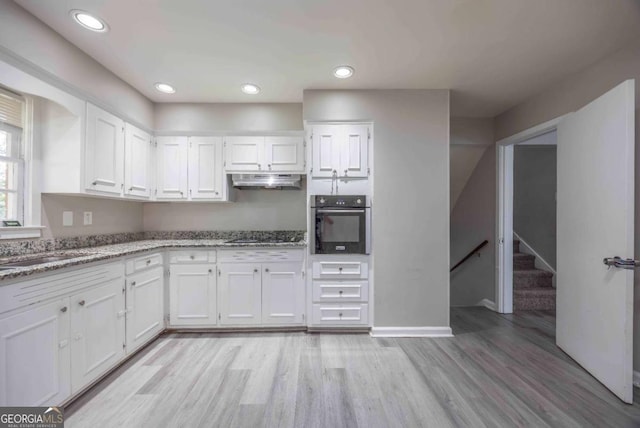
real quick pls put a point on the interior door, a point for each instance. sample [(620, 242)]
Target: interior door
[(595, 220)]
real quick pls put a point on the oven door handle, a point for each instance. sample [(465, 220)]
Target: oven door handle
[(322, 211)]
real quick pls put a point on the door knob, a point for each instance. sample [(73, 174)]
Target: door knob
[(621, 263)]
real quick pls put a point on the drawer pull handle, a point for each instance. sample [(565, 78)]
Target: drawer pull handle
[(63, 309), (81, 302)]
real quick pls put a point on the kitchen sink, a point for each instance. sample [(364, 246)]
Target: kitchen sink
[(38, 261)]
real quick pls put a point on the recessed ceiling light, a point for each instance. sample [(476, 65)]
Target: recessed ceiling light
[(343, 71), (250, 88), (164, 87), (89, 21)]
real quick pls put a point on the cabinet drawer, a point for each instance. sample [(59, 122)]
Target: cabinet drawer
[(340, 270), (262, 255), (192, 256), (145, 262), (340, 291), (336, 314)]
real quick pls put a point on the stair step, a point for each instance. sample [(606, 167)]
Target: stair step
[(532, 278), (516, 246), (534, 299), (522, 261)]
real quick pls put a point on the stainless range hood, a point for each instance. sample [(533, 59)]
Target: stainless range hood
[(267, 181)]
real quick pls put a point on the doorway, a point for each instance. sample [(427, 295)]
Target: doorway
[(505, 242), (534, 223)]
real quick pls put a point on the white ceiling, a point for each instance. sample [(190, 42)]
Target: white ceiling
[(493, 54)]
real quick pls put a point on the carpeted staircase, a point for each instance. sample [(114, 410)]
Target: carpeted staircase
[(532, 288)]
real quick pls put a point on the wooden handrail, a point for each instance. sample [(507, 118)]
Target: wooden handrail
[(475, 250)]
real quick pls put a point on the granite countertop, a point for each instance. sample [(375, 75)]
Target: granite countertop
[(105, 252)]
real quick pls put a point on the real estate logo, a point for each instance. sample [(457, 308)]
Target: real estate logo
[(31, 417)]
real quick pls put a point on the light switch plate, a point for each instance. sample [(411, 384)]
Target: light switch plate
[(88, 218), (67, 218)]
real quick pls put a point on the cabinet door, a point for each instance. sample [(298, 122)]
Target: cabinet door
[(205, 168), (137, 162), (104, 151), (354, 151), (240, 293), (145, 307), (244, 154), (97, 332), (34, 350), (192, 294), (282, 293), (325, 150), (171, 169), (284, 154)]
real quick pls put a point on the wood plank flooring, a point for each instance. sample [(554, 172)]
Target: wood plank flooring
[(498, 371)]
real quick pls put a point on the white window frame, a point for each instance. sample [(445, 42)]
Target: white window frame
[(28, 195)]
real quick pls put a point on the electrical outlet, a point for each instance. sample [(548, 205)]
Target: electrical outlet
[(67, 218), (88, 218)]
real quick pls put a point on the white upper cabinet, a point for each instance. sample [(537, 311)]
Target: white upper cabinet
[(104, 151), (190, 169), (284, 154), (342, 150), (171, 171), (138, 162), (205, 168), (244, 154), (264, 154)]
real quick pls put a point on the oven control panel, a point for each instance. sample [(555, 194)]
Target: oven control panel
[(342, 201)]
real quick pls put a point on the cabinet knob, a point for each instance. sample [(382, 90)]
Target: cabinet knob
[(255, 270), (345, 171), (340, 269), (269, 166), (340, 314), (94, 183), (63, 309), (148, 262), (133, 283), (210, 271), (130, 189), (192, 257), (216, 193), (81, 302), (340, 292), (259, 166), (266, 269)]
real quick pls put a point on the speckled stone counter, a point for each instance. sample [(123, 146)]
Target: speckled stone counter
[(104, 252)]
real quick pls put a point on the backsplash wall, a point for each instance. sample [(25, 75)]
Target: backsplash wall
[(109, 216), (251, 210)]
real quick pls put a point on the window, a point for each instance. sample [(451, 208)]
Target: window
[(12, 108)]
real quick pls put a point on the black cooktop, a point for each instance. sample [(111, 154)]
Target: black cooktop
[(254, 241)]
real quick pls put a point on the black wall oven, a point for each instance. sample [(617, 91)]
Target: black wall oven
[(342, 225)]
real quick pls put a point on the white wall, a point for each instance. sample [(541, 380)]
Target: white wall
[(109, 216), (221, 117), (410, 215), (28, 43)]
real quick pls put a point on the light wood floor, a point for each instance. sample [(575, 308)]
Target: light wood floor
[(497, 371)]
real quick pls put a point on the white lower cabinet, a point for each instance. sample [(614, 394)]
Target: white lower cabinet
[(145, 307), (35, 355), (97, 332), (239, 293), (340, 293), (282, 293), (192, 294)]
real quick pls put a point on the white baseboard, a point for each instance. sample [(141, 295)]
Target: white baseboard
[(636, 379), (489, 304), (411, 332)]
